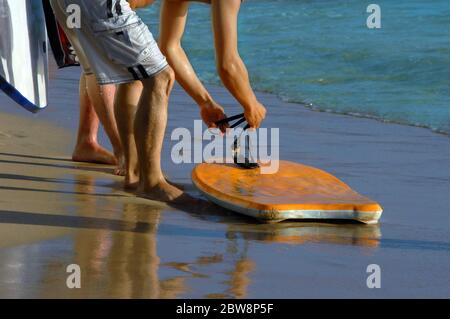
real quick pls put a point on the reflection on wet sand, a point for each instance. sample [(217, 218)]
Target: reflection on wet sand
[(297, 233), (114, 238), (120, 264), (133, 261), (240, 274)]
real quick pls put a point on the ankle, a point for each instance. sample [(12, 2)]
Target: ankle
[(154, 183), (131, 176), (86, 142), (118, 150)]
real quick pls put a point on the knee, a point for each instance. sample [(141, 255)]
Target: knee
[(164, 80), (168, 74)]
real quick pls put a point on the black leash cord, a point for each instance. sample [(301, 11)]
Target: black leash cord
[(247, 164)]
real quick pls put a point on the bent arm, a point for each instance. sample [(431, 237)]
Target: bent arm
[(173, 22), (230, 66)]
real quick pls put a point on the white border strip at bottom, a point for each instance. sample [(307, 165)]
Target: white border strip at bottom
[(278, 216)]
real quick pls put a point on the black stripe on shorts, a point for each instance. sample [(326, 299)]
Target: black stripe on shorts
[(143, 71), (109, 8), (133, 72)]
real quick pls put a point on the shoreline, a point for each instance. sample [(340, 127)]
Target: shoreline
[(378, 119), (315, 108), (71, 74)]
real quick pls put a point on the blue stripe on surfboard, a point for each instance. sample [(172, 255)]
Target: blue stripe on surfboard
[(17, 97)]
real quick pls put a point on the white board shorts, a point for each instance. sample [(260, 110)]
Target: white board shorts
[(112, 42)]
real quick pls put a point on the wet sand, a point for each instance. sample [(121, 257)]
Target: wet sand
[(54, 213)]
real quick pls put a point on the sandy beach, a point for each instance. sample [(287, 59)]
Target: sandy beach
[(54, 213)]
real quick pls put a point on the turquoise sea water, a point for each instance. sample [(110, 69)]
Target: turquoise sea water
[(321, 54)]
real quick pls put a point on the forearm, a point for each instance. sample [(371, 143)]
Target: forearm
[(186, 75), (136, 4), (234, 76), (230, 66), (173, 21)]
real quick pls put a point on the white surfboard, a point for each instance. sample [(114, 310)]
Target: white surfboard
[(23, 53)]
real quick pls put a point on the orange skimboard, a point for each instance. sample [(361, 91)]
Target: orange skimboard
[(296, 191)]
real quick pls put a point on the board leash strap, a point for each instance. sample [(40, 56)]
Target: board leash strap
[(247, 163)]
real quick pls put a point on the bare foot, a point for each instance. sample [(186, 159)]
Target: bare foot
[(132, 183), (93, 153), (177, 185), (120, 169), (164, 192)]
